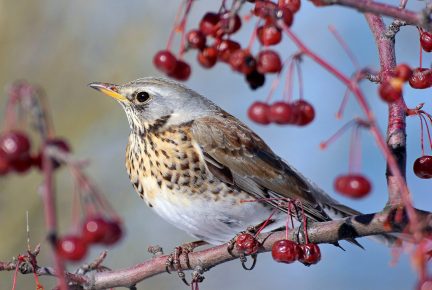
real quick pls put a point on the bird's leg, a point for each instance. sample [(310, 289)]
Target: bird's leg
[(173, 261)]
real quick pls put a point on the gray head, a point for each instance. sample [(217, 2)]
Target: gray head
[(150, 101)]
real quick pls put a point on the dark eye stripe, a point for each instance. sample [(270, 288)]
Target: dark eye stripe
[(142, 97)]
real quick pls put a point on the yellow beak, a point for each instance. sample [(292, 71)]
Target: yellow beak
[(109, 90)]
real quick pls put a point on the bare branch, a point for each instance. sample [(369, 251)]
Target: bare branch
[(421, 19), (389, 221)]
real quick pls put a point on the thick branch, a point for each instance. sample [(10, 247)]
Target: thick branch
[(422, 19), (326, 232), (396, 136)]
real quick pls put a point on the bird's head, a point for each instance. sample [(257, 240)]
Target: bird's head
[(150, 102)]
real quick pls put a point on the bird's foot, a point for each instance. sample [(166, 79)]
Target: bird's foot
[(173, 261)]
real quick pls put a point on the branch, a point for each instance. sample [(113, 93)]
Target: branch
[(388, 221), (421, 19), (325, 232)]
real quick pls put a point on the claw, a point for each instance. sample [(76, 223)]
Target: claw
[(168, 263), (243, 261), (173, 261)]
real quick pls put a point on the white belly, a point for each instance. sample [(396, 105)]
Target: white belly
[(213, 221)]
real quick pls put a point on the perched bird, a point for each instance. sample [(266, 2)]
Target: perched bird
[(195, 164)]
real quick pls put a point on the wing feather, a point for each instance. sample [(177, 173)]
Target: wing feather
[(236, 155)]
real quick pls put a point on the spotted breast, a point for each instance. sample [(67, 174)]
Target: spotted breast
[(167, 169)]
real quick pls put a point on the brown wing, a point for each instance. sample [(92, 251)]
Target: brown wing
[(236, 155)]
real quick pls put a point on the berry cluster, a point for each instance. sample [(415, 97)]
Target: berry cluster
[(94, 230), (283, 251), (212, 40), (166, 62), (15, 152), (100, 224), (390, 89), (299, 113), (286, 251)]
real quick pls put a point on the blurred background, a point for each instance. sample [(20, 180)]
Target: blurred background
[(64, 45)]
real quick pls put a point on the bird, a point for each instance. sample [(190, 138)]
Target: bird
[(195, 164)]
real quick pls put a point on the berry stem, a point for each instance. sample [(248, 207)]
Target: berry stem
[(273, 88), (181, 29), (253, 36), (299, 77), (174, 27), (304, 223), (423, 118), (343, 104), (265, 223), (355, 152), (345, 47), (421, 57), (338, 134), (288, 89)]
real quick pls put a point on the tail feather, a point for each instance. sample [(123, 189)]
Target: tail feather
[(337, 211)]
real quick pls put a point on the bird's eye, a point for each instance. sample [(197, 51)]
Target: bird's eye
[(142, 97)]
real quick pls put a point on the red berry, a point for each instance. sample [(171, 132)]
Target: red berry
[(246, 243), (304, 112), (293, 5), (421, 78), (225, 48), (165, 61), (60, 144), (72, 248), (423, 167), (310, 254), (209, 23), (182, 71), (242, 61), (403, 71), (353, 185), (14, 144), (259, 113), (285, 251), (391, 90), (281, 113), (255, 80), (269, 34), (228, 24), (94, 229), (196, 39), (269, 62), (426, 41), (265, 9), (286, 15), (208, 57), (22, 164), (113, 233), (4, 164)]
